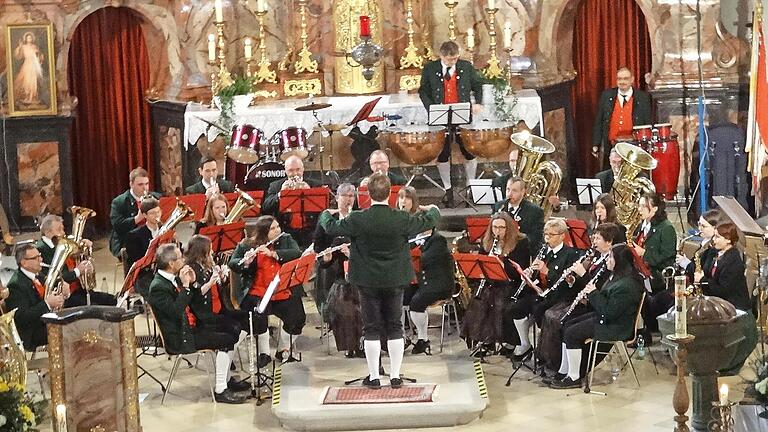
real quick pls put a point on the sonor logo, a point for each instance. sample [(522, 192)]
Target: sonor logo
[(270, 174)]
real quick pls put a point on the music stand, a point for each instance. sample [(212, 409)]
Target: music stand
[(532, 355), (364, 198), (476, 227), (450, 116), (588, 190), (143, 262), (195, 202), (578, 235), (224, 238), (301, 201), (483, 193)]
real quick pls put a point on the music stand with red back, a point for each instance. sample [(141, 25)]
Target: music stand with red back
[(253, 212), (224, 238), (476, 227), (145, 261), (577, 236), (195, 202), (364, 198), (300, 201), (364, 112), (478, 266)]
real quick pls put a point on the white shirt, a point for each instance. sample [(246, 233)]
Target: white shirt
[(385, 203), (168, 276), (628, 94), (556, 250), (445, 67), (207, 185), (646, 227), (49, 242), (137, 199)]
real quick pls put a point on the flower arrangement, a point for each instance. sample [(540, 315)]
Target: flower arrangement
[(503, 109), (19, 411), (241, 86)]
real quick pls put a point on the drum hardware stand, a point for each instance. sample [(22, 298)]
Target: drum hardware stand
[(420, 171), (323, 174)]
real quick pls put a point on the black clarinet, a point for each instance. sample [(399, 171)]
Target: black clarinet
[(534, 275), (583, 293), (568, 272), (481, 287)]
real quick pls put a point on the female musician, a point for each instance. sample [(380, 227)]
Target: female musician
[(581, 272), (338, 302), (211, 296), (655, 239), (257, 260), (707, 252), (483, 321), (615, 308), (408, 200), (604, 211), (724, 277), (216, 209)]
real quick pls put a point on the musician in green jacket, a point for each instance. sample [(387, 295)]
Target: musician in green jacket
[(209, 183), (380, 267), (528, 215), (616, 306), (124, 214), (656, 239), (170, 296)]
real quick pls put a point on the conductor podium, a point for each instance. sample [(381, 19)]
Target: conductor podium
[(92, 355)]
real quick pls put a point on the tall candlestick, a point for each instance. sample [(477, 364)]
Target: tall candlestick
[(61, 418), (724, 394), (507, 34), (491, 4), (261, 5), (211, 48), (247, 47), (219, 11), (681, 310), (470, 38)]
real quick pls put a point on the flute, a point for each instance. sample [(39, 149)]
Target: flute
[(331, 250), (269, 243)]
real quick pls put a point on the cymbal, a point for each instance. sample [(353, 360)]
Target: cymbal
[(313, 107)]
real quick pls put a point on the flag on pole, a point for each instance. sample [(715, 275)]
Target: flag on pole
[(757, 126)]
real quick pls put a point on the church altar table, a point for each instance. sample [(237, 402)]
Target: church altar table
[(278, 115)]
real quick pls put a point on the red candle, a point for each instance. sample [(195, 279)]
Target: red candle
[(365, 26)]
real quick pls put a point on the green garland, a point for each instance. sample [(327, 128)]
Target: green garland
[(502, 110)]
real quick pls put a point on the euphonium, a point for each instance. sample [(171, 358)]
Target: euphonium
[(79, 216), (243, 204), (13, 362), (628, 188), (462, 294), (541, 177), (65, 248), (179, 213)]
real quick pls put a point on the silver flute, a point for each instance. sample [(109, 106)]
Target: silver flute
[(269, 243)]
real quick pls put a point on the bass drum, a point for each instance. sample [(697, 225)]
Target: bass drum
[(487, 139), (667, 172), (415, 144), (260, 176)]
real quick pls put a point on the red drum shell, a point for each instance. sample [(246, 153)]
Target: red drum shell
[(244, 145), (665, 131), (642, 133), (293, 141), (667, 172)]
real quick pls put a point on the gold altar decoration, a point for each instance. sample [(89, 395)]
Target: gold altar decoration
[(220, 76), (348, 78), (264, 73), (304, 63), (13, 363), (411, 59), (451, 5), (300, 87), (410, 82), (493, 70)]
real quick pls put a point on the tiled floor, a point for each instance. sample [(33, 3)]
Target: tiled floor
[(525, 405)]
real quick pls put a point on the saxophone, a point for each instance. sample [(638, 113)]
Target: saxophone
[(462, 294), (628, 188), (481, 287)]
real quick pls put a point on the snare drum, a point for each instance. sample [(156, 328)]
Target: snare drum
[(664, 131), (642, 133), (667, 172), (244, 145), (415, 144), (293, 141), (487, 139)]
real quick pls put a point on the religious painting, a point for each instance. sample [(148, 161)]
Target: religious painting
[(30, 74)]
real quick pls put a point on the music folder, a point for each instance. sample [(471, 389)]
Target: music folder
[(291, 274)]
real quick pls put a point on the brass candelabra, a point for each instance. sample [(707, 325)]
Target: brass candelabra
[(451, 5), (304, 63), (264, 73), (493, 70), (220, 75), (411, 59)]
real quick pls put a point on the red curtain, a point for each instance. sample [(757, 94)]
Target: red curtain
[(608, 34), (108, 73)]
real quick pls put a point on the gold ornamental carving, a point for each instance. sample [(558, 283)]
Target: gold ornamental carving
[(56, 364), (265, 94), (410, 82), (13, 362), (130, 376), (304, 64), (303, 87), (348, 76), (411, 59), (98, 428)]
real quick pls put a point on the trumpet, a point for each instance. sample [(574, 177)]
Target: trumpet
[(583, 293), (293, 182), (568, 273), (494, 252), (539, 256), (267, 244)]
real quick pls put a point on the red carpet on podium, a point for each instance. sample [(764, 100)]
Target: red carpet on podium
[(362, 395)]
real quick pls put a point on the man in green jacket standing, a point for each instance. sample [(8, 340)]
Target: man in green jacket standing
[(380, 267)]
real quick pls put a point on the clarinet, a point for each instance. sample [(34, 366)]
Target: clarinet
[(539, 256), (583, 293), (481, 287), (568, 272)]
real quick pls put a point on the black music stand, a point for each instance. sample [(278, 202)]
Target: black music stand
[(587, 190), (451, 116)]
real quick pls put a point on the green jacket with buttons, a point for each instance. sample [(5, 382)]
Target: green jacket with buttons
[(436, 269), (169, 306)]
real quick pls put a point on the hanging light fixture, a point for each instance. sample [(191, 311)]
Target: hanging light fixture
[(366, 53)]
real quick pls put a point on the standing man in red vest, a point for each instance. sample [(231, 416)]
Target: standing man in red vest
[(448, 81), (620, 108)]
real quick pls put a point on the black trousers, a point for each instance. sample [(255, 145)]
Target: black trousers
[(217, 335), (656, 305), (445, 154), (419, 300), (381, 307), (528, 304), (78, 298), (578, 330), (290, 311)]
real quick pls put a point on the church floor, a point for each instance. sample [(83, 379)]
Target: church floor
[(525, 404)]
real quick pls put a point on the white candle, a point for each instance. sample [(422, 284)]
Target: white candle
[(219, 11), (248, 48), (211, 47), (507, 35), (724, 394), (491, 4), (261, 5), (470, 38), (61, 418)]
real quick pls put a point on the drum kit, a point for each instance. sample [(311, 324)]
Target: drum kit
[(662, 144)]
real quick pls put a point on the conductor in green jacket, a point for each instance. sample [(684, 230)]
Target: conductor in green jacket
[(380, 267)]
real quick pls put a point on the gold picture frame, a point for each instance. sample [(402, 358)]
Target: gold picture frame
[(31, 73)]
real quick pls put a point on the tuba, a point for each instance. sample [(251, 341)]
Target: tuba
[(179, 213), (243, 204), (13, 362), (462, 294), (79, 216), (65, 248), (628, 188), (541, 177)]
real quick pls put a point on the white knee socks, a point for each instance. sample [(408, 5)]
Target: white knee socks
[(522, 326), (285, 340), (563, 361), (444, 168), (421, 322), (372, 353), (396, 348), (574, 363), (470, 168), (222, 370)]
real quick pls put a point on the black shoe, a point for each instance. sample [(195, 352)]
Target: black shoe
[(229, 397), (395, 383), (232, 366), (360, 353), (407, 343), (447, 200), (557, 377), (281, 355), (422, 346), (523, 356), (349, 354), (264, 359), (372, 384), (507, 352), (567, 383), (238, 386)]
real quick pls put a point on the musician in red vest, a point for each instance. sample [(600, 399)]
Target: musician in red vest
[(447, 81), (620, 108)]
